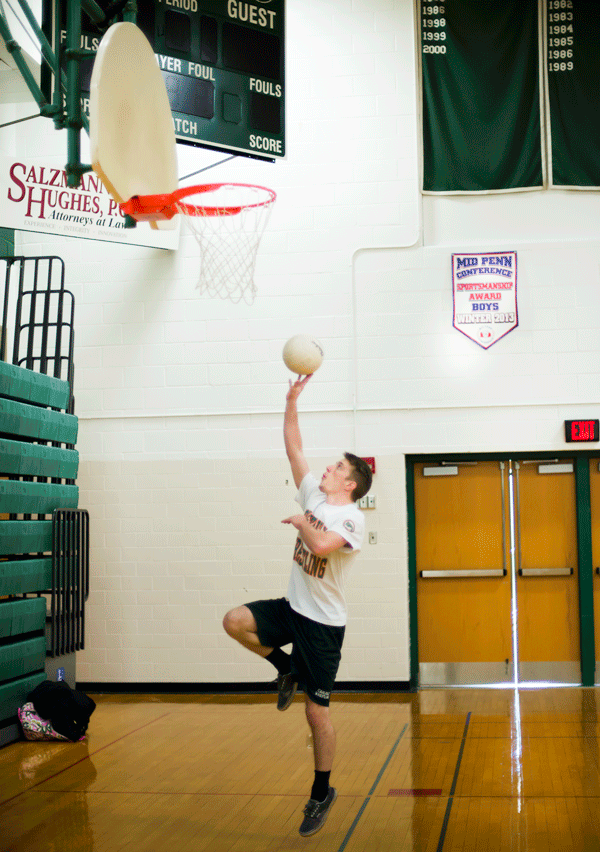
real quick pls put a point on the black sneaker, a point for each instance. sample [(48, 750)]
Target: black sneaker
[(286, 687), (315, 813)]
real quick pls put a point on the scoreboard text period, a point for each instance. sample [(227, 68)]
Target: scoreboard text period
[(223, 62)]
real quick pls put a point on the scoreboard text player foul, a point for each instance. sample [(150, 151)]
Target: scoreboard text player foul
[(224, 68)]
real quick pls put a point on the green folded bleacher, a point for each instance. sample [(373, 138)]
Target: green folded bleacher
[(25, 537), (38, 498), (26, 459), (27, 386), (38, 466), (13, 694), (32, 421), (22, 616), (23, 576)]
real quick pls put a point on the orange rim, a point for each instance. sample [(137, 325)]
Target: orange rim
[(152, 207)]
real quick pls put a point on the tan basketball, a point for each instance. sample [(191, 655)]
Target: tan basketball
[(302, 354)]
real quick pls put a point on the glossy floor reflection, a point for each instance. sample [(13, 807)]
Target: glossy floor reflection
[(438, 770)]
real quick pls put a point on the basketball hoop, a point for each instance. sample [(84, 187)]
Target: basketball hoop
[(228, 225)]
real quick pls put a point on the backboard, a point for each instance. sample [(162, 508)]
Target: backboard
[(223, 62), (132, 142)]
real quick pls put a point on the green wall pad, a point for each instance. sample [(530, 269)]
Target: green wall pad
[(13, 695), (7, 242), (18, 418), (17, 617), (21, 576), (36, 498), (21, 658), (25, 459), (18, 537), (30, 386)]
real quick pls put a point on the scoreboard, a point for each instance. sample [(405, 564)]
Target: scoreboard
[(223, 62)]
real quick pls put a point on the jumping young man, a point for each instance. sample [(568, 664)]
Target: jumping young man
[(313, 616)]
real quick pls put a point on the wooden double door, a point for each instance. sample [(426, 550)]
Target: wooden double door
[(497, 562), (595, 536)]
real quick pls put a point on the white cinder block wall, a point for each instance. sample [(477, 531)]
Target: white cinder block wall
[(181, 397)]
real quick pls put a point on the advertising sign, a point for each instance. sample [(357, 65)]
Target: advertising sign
[(34, 196)]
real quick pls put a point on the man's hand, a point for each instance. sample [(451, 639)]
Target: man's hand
[(297, 387), (320, 542), (295, 521)]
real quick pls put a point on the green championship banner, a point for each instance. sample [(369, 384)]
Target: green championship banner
[(573, 28), (481, 95)]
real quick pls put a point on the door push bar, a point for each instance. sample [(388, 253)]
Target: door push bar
[(454, 575), (497, 572), (545, 572)]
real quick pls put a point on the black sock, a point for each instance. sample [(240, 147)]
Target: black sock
[(320, 788), (280, 660)]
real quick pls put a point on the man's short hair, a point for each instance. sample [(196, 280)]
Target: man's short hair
[(361, 474)]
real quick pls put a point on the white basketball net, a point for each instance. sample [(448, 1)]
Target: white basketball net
[(228, 240)]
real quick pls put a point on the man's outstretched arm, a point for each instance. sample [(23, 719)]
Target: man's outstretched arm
[(291, 432)]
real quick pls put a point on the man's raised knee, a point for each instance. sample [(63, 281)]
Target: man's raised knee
[(238, 621), (231, 622)]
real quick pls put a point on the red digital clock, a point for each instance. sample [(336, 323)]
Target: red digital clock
[(582, 430)]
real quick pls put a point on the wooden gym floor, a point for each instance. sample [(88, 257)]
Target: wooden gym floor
[(435, 770)]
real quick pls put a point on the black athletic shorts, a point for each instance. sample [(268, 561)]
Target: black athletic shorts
[(316, 651)]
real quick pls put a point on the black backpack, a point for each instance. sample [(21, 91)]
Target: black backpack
[(68, 710)]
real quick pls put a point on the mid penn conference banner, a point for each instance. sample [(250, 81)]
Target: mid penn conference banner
[(34, 196), (484, 288)]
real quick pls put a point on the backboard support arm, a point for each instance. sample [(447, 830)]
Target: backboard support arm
[(68, 113)]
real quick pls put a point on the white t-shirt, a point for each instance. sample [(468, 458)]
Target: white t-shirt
[(316, 588)]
